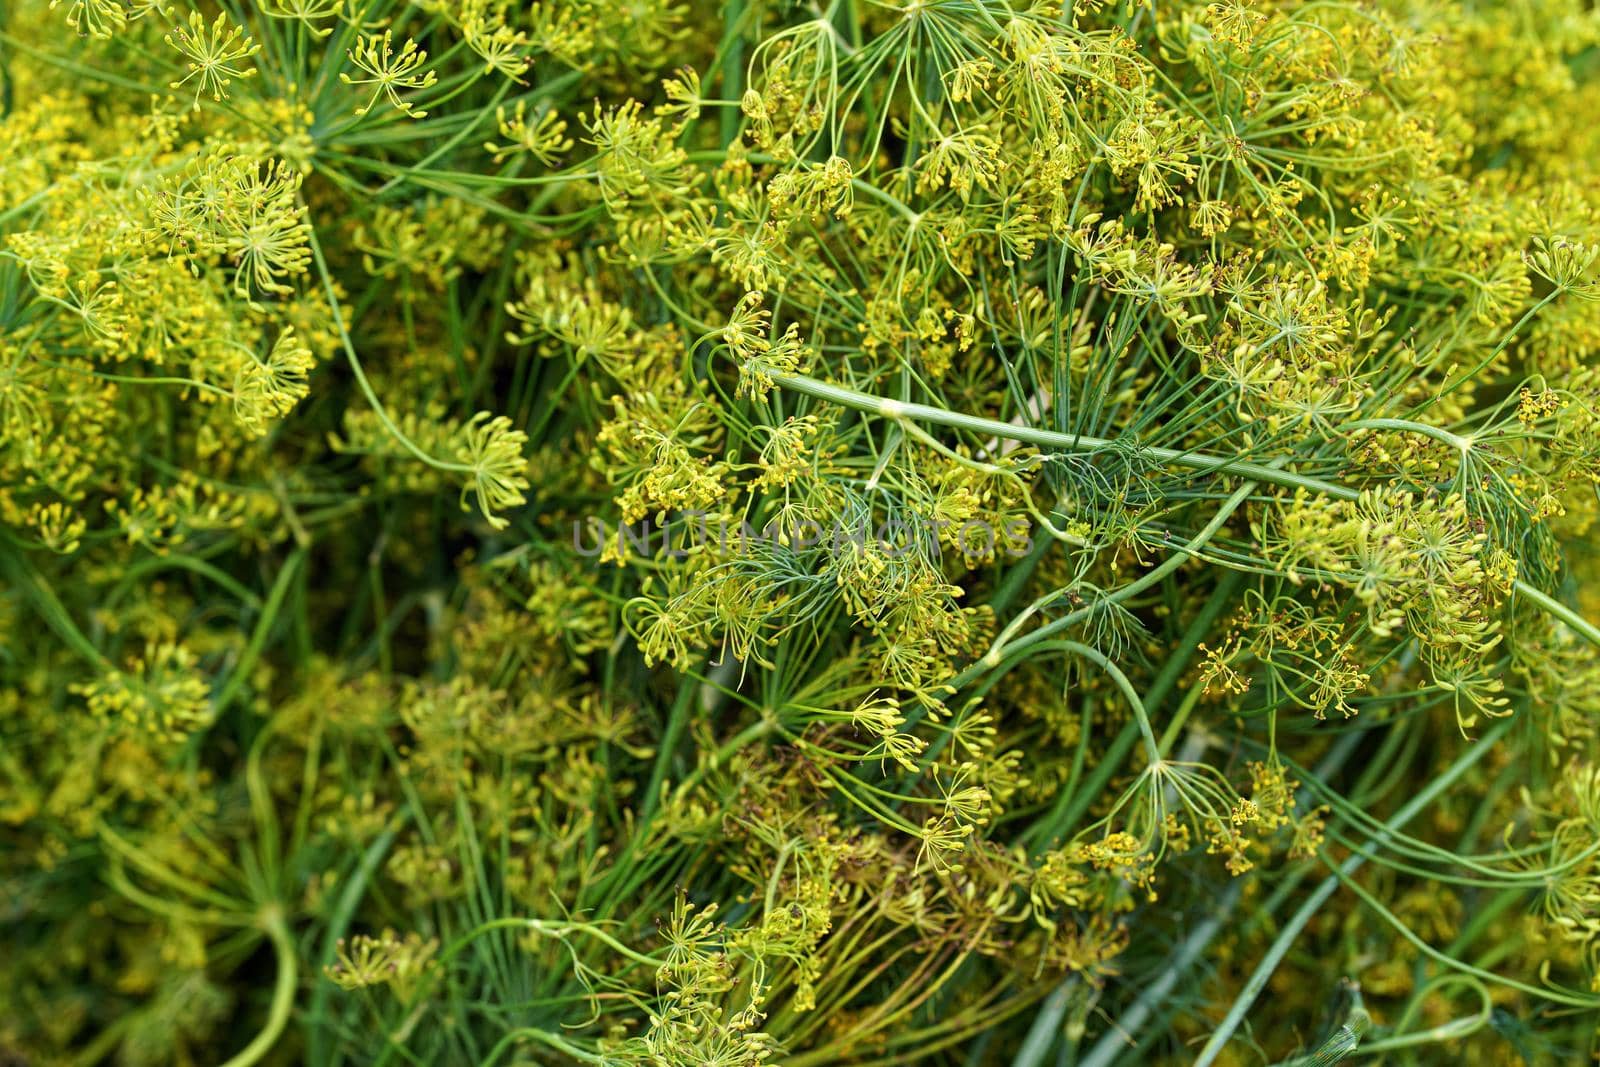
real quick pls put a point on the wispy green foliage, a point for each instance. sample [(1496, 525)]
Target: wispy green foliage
[(909, 531)]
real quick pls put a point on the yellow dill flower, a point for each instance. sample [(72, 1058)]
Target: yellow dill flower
[(160, 692), (492, 453), (268, 389), (501, 47), (95, 18), (58, 526), (387, 959), (215, 55), (309, 12), (389, 72), (544, 139), (267, 235), (682, 91), (1566, 264)]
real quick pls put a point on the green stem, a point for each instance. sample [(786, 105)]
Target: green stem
[(1456, 441), (732, 69), (1291, 930), (1581, 626), (258, 638), (1032, 435), (361, 375), (543, 1037), (44, 600), (1547, 991), (1008, 650), (1454, 1030), (676, 720), (1272, 473), (754, 732), (1046, 1025), (282, 993), (1121, 680)]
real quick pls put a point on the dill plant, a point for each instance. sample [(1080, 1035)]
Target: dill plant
[(1221, 692)]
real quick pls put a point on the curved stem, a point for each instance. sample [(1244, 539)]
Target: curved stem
[(361, 375), (557, 930), (1006, 646), (1443, 436), (543, 1037), (1097, 657), (1548, 992), (282, 992), (1454, 1030)]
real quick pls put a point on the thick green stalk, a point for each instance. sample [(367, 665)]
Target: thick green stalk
[(282, 993), (1052, 439)]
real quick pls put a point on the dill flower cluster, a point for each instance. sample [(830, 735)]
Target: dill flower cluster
[(676, 532)]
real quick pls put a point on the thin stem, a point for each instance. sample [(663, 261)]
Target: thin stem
[(1008, 650), (1456, 441), (1291, 930), (361, 375), (676, 720)]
